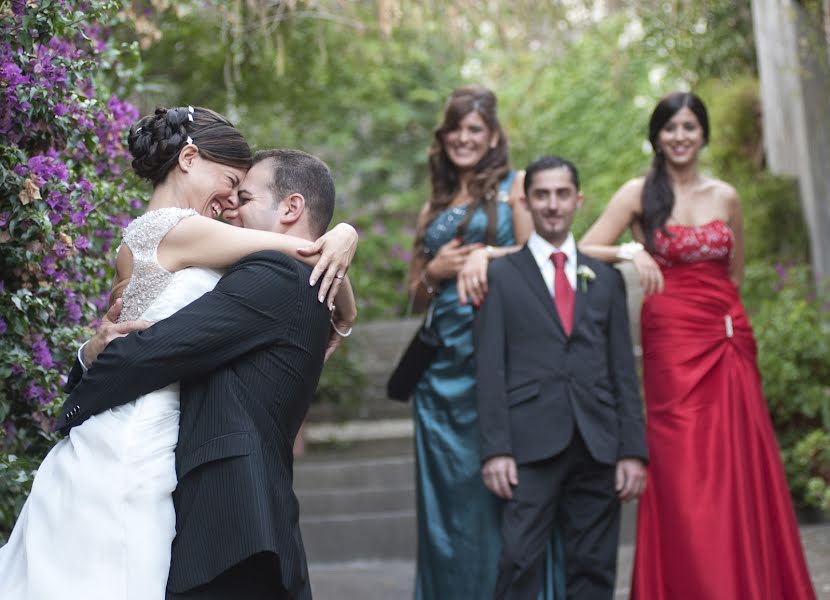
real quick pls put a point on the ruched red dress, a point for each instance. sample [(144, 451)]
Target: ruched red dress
[(716, 521)]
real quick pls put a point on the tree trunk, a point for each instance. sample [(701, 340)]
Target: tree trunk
[(795, 84)]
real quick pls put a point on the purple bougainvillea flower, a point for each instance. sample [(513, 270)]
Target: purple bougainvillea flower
[(9, 429), (41, 354), (60, 249), (35, 392)]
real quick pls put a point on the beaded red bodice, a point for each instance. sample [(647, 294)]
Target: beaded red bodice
[(693, 243)]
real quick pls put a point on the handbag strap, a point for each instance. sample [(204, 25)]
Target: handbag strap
[(430, 313)]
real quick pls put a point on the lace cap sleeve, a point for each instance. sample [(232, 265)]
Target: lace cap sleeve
[(144, 235), (148, 278)]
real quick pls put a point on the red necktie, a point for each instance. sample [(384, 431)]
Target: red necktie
[(563, 293)]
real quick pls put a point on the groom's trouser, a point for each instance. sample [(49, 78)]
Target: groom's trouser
[(256, 578), (575, 493)]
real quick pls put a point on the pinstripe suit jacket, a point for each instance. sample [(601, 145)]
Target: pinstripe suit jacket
[(249, 356)]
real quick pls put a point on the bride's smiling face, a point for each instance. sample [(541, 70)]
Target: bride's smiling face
[(212, 185)]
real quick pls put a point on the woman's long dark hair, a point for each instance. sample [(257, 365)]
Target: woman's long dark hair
[(489, 171), (657, 197)]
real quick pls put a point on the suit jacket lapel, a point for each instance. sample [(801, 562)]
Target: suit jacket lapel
[(527, 266)]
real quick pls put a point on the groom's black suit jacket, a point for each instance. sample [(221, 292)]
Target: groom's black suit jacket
[(249, 355), (535, 384)]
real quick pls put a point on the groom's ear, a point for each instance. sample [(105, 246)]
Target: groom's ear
[(291, 209)]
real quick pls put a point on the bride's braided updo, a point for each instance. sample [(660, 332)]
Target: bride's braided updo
[(156, 140)]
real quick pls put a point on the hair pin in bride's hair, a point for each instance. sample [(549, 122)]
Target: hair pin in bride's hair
[(189, 140), (139, 130), (190, 113)]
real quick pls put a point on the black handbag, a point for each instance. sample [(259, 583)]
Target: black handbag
[(415, 361)]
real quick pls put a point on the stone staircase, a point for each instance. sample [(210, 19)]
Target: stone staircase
[(357, 502)]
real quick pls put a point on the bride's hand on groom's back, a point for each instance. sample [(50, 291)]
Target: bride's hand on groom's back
[(110, 329)]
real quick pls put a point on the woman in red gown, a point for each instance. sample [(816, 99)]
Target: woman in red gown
[(716, 521)]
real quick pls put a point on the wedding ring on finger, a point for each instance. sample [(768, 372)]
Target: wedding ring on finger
[(339, 276)]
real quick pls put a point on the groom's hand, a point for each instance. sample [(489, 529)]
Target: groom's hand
[(500, 475), (631, 478), (108, 330)]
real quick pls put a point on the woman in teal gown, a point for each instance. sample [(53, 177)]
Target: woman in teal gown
[(473, 205)]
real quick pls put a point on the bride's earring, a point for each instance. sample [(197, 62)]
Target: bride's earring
[(216, 211)]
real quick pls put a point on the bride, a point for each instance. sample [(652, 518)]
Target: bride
[(99, 521)]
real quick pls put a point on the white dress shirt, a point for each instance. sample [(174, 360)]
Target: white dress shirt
[(542, 249), (81, 356)]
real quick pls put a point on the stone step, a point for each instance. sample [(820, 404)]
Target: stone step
[(371, 536), (384, 535), (345, 501), (355, 474)]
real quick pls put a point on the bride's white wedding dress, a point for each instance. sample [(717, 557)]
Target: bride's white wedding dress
[(99, 520)]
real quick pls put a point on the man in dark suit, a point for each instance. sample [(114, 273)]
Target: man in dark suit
[(249, 356), (562, 435)]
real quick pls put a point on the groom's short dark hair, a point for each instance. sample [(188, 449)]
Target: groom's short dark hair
[(298, 172), (549, 162)]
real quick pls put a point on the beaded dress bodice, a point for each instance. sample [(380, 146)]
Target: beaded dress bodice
[(693, 243), (149, 278)]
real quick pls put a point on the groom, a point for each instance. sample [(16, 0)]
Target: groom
[(562, 435), (249, 356)]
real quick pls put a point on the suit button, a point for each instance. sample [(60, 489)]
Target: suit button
[(66, 416)]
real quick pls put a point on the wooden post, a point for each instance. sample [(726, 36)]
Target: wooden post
[(795, 86)]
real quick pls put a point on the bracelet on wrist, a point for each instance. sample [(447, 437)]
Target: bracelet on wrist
[(628, 250), (344, 334)]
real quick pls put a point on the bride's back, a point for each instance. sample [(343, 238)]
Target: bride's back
[(152, 292)]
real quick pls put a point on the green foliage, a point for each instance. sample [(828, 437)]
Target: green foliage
[(16, 475), (385, 254), (808, 469), (792, 330), (698, 41), (342, 384)]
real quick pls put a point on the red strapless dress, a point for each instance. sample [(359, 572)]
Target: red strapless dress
[(716, 521)]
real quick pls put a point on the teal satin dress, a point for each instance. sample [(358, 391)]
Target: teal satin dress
[(459, 538)]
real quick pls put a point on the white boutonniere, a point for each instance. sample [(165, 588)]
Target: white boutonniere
[(585, 275)]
